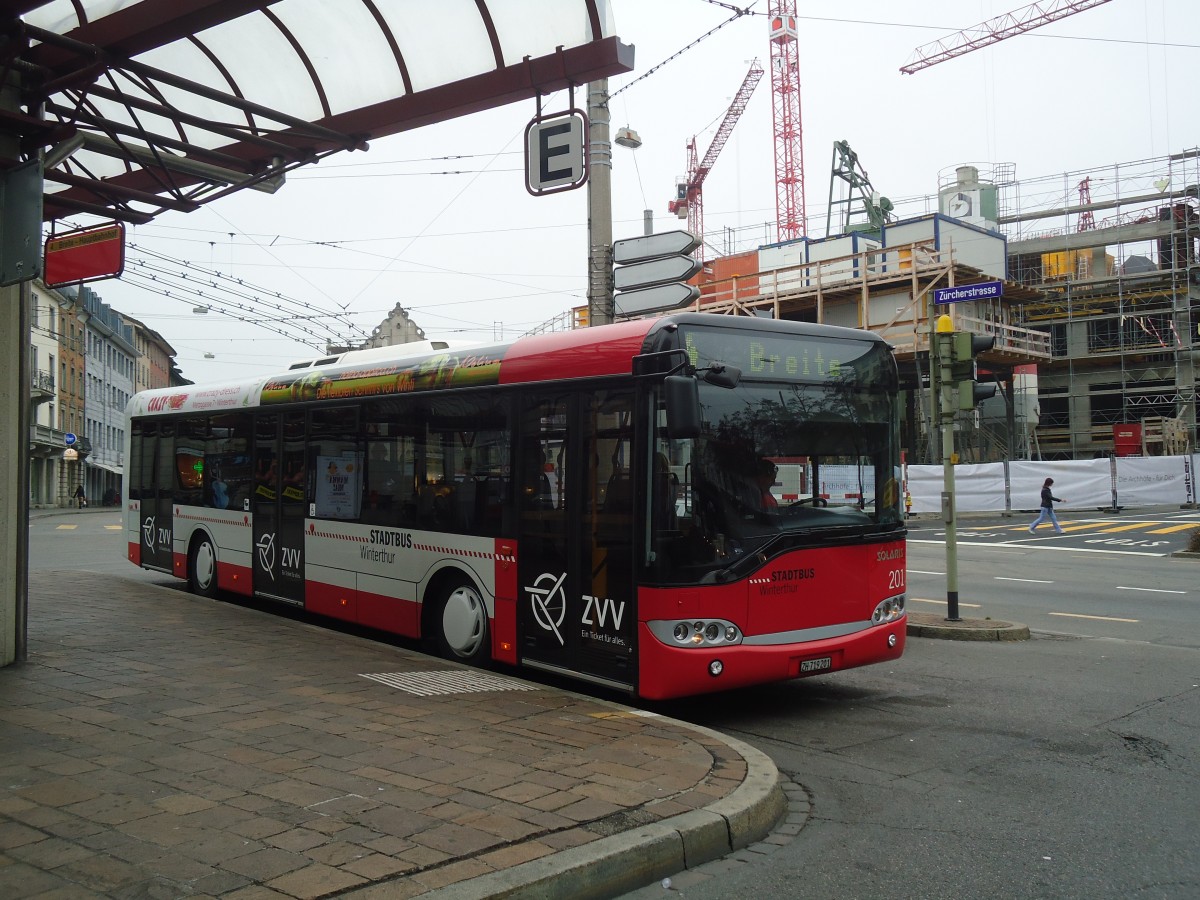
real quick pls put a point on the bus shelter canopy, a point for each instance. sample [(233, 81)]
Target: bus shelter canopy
[(142, 106)]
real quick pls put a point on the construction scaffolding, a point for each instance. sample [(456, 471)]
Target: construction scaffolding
[(1118, 273)]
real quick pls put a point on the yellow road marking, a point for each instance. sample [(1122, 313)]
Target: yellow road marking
[(1173, 528), (112, 527), (1128, 527), (65, 527), (1087, 526), (1098, 618)]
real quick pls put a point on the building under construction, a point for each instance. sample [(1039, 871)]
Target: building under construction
[(1096, 322), (1113, 253)]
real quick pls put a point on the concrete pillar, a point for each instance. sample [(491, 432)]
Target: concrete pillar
[(14, 440), (600, 290)]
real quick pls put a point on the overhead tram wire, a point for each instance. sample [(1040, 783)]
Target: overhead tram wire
[(231, 298), (237, 287), (240, 299), (302, 277), (266, 324), (738, 13), (189, 295)]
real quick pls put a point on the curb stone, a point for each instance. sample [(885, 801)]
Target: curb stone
[(928, 625), (630, 860)]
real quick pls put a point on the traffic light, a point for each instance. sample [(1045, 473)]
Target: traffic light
[(964, 347)]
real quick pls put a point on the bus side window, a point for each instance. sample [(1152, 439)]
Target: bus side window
[(227, 474), (335, 461), (384, 482)]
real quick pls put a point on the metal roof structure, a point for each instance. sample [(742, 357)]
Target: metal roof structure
[(143, 106)]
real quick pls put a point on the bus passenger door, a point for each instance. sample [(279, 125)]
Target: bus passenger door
[(575, 538), (157, 496), (278, 504)]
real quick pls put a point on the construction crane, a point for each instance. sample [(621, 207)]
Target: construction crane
[(847, 168), (994, 30), (689, 193), (789, 130), (1087, 221)]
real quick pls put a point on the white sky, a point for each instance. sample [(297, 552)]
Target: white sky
[(473, 256)]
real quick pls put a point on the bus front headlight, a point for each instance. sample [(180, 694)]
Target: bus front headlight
[(889, 610)]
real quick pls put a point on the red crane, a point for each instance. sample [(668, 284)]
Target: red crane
[(789, 131), (689, 198), (1087, 221), (994, 30)]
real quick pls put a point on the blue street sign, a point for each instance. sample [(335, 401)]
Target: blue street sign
[(69, 439), (984, 290)]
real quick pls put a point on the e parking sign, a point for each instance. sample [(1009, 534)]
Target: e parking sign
[(555, 157)]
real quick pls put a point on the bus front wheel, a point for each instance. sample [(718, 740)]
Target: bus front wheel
[(202, 567), (462, 624)]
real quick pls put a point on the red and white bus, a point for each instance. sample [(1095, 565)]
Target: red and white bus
[(665, 506)]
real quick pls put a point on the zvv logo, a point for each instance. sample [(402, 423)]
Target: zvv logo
[(549, 603), (266, 554), (148, 532), (290, 558), (602, 608)]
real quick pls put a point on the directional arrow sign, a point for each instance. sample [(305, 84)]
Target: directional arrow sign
[(656, 299), (651, 246), (677, 267)]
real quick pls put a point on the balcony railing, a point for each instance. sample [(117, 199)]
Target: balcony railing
[(41, 386)]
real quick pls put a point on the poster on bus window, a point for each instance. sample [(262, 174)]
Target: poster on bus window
[(339, 486)]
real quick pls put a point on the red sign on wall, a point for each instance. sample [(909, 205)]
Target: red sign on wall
[(87, 254)]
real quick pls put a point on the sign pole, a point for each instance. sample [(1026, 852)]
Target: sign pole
[(600, 278), (947, 411)]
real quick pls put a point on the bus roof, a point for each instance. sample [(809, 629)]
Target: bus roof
[(553, 356)]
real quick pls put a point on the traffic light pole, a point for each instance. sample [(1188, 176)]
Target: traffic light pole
[(948, 407)]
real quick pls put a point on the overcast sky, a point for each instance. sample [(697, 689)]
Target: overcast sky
[(439, 220)]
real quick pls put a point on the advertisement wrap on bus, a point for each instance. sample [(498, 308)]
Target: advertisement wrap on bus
[(666, 507)]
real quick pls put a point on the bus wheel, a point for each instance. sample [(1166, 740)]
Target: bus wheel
[(462, 625), (202, 568)]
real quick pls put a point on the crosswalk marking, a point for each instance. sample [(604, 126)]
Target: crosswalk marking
[(1104, 527)]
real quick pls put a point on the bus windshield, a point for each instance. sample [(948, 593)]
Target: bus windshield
[(781, 463)]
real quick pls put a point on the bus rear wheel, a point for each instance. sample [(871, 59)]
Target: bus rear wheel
[(202, 567), (462, 624)]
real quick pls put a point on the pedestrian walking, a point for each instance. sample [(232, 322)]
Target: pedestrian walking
[(1047, 513), (80, 497)]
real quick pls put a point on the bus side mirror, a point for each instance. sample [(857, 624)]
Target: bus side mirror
[(682, 396)]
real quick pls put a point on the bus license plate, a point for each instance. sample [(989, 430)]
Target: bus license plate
[(816, 665)]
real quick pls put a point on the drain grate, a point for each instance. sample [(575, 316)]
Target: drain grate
[(428, 684)]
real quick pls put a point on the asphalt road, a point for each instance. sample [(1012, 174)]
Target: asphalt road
[(1051, 768), (1061, 767), (1105, 577)]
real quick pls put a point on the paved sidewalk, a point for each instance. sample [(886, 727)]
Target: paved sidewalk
[(156, 744)]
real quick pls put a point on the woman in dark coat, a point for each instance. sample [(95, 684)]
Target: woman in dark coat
[(1047, 514)]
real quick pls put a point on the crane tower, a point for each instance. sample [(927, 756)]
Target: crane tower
[(689, 197), (789, 131)]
